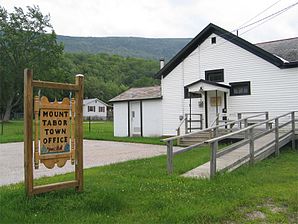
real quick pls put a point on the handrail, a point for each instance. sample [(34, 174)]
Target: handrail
[(182, 121), (245, 129), (250, 138), (216, 119), (210, 128)]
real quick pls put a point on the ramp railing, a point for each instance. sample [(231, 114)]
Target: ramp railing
[(227, 126), (281, 138)]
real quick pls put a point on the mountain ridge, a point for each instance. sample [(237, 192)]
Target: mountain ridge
[(139, 47)]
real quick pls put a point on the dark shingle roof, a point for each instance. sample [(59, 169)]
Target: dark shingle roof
[(144, 93), (286, 49)]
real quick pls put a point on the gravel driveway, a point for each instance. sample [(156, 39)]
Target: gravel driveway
[(96, 153)]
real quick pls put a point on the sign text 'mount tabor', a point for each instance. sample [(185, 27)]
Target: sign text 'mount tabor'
[(55, 131)]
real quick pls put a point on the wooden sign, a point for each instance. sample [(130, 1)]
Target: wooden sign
[(55, 132), (58, 132), (215, 101)]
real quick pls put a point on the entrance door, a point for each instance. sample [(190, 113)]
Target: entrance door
[(215, 104), (135, 118)]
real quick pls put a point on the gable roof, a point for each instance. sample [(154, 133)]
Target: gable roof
[(205, 85), (205, 33), (208, 82), (88, 101), (286, 48), (144, 93)]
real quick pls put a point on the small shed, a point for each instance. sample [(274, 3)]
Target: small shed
[(95, 109), (137, 112)]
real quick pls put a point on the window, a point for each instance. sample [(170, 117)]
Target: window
[(101, 109), (240, 88), (213, 40), (215, 75), (91, 108), (187, 94)]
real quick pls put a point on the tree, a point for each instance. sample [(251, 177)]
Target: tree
[(27, 40)]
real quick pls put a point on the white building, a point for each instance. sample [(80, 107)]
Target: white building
[(220, 72), (137, 112), (95, 109)]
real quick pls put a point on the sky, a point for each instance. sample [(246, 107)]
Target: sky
[(166, 18)]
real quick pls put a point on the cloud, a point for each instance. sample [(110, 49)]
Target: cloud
[(162, 18)]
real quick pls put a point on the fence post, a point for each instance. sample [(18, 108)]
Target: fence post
[(239, 115), (246, 125), (2, 122), (28, 131), (178, 133), (251, 147), (170, 156), (185, 122), (293, 130), (276, 137), (79, 96), (201, 121), (89, 119), (214, 146), (267, 118)]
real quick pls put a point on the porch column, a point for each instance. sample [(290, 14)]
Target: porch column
[(206, 109), (189, 112), (216, 105)]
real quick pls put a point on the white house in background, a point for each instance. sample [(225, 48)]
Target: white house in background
[(95, 109), (215, 72)]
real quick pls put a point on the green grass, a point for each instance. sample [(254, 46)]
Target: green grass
[(13, 131), (140, 191), (103, 130)]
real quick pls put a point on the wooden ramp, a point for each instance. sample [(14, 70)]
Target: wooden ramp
[(258, 141), (233, 159)]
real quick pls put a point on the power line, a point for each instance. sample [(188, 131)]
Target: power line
[(256, 16), (263, 20), (271, 15)]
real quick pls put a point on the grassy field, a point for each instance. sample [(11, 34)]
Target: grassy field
[(140, 192), (13, 131)]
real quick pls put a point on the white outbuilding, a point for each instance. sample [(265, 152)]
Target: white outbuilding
[(137, 112)]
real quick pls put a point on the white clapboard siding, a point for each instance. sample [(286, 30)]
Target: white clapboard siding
[(172, 101), (120, 119), (272, 89), (96, 103), (152, 118)]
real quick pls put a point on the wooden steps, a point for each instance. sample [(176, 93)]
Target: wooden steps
[(195, 138), (201, 137)]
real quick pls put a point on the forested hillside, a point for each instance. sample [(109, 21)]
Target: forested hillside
[(25, 43), (148, 48), (108, 75)]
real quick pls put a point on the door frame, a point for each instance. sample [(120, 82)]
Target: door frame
[(207, 104)]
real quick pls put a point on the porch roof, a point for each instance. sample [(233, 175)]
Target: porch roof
[(204, 85)]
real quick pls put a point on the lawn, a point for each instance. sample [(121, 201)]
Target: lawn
[(140, 191), (13, 131)]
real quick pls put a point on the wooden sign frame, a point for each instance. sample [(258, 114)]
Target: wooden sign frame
[(78, 88)]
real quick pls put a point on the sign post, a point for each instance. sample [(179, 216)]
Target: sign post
[(58, 132)]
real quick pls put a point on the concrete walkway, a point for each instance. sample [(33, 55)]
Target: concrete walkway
[(96, 153)]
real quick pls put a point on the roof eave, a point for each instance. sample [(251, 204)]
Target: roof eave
[(203, 35), (292, 64), (136, 99)]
